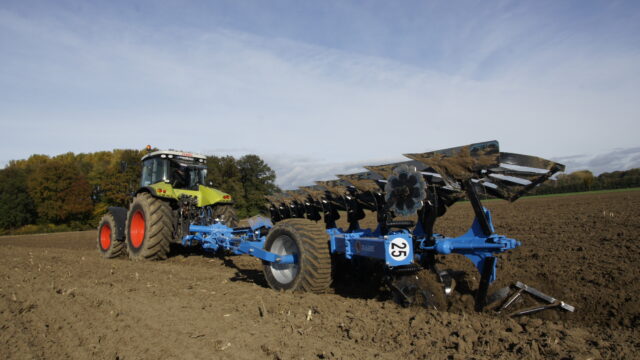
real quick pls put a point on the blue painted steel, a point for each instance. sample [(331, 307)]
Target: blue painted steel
[(395, 249), (474, 245), (238, 241), (366, 243)]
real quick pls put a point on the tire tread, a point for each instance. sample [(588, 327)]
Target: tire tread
[(117, 248), (315, 262), (158, 217)]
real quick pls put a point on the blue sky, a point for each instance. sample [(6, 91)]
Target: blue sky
[(322, 87)]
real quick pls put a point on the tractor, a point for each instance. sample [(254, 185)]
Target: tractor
[(171, 196)]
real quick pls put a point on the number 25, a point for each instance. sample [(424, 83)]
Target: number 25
[(398, 253)]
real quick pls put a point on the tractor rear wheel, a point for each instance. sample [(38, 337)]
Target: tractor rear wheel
[(226, 214), (108, 244), (149, 228), (308, 242)]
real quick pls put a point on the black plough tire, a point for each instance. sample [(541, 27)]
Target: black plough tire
[(149, 228), (310, 242), (108, 244), (226, 214)]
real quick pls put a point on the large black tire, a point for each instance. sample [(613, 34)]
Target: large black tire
[(149, 228), (226, 214), (310, 242), (108, 244)]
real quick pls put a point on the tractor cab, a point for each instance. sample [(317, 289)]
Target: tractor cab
[(179, 169)]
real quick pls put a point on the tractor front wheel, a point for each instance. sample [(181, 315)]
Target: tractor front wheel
[(108, 244), (149, 228), (308, 242)]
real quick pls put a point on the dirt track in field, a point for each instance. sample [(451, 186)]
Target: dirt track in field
[(59, 299)]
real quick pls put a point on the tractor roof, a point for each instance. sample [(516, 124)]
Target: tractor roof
[(175, 154)]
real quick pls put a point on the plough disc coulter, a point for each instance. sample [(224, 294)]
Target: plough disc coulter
[(300, 241)]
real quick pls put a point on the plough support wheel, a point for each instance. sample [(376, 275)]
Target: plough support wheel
[(308, 242)]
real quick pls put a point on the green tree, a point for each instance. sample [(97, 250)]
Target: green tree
[(247, 179), (114, 176), (584, 178), (224, 174), (257, 180), (123, 176), (16, 206), (60, 191), (31, 163)]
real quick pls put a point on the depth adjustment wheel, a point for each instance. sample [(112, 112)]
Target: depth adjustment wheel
[(149, 228), (108, 243), (308, 242)]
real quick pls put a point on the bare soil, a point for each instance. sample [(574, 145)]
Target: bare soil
[(59, 299)]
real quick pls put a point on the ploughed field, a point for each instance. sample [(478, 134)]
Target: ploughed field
[(59, 299)]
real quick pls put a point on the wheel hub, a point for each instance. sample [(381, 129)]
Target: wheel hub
[(137, 228), (284, 273), (105, 237)]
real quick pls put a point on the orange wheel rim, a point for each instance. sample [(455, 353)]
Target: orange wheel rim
[(136, 230), (105, 237)]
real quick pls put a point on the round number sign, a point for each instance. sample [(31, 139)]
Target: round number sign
[(399, 249)]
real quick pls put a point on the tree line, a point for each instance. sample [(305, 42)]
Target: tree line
[(584, 180), (73, 191)]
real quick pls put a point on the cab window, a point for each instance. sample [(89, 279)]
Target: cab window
[(154, 170)]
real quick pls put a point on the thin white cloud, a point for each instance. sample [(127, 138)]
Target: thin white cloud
[(83, 85), (613, 160), (293, 171)]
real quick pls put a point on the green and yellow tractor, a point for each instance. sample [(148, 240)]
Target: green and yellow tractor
[(172, 195)]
